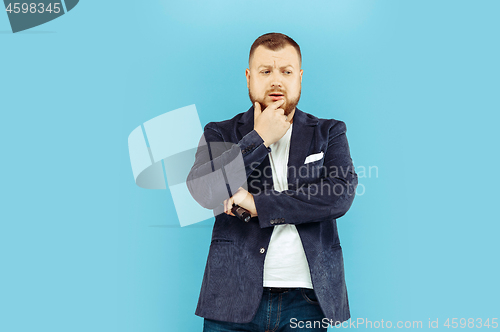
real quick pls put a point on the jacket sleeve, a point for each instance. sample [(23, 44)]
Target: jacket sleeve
[(327, 197), (220, 165)]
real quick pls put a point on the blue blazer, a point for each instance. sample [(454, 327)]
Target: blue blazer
[(319, 193)]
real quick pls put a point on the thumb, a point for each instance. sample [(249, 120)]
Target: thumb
[(256, 110)]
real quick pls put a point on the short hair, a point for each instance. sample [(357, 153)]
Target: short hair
[(274, 41)]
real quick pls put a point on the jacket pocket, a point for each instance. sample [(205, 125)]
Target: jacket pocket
[(222, 241), (221, 256)]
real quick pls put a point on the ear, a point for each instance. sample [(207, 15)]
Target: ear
[(301, 71), (247, 74)]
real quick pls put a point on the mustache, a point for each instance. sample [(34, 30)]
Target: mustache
[(275, 91)]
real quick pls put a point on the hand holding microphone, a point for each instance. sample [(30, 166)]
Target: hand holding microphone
[(241, 205)]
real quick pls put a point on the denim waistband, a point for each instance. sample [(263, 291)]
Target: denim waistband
[(279, 289)]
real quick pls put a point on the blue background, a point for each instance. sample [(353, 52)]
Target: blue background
[(417, 82)]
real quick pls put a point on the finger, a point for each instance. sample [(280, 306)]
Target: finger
[(280, 111), (256, 110), (227, 204), (230, 203), (276, 104)]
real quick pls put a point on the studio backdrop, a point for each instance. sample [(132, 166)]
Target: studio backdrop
[(97, 235)]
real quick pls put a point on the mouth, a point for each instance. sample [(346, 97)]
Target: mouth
[(276, 96)]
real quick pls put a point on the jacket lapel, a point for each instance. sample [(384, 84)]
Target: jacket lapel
[(300, 144), (245, 123)]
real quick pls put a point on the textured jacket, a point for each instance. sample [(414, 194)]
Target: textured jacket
[(319, 192)]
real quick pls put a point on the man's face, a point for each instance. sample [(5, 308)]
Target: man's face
[(275, 75)]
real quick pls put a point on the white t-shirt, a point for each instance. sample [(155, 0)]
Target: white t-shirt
[(285, 264)]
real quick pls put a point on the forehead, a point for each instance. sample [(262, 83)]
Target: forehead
[(263, 56)]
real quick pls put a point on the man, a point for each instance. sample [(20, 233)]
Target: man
[(283, 270)]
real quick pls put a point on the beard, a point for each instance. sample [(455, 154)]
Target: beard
[(288, 106)]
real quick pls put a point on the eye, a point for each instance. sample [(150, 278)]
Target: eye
[(287, 72), (265, 72)]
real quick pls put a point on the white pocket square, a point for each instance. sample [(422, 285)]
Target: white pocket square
[(314, 157)]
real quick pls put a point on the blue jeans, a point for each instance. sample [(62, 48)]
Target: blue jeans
[(296, 309)]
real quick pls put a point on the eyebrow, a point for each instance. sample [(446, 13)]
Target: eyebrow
[(269, 66)]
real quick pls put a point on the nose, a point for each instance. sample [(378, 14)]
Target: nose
[(275, 80), (276, 85)]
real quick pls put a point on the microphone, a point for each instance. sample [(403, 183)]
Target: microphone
[(241, 213)]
